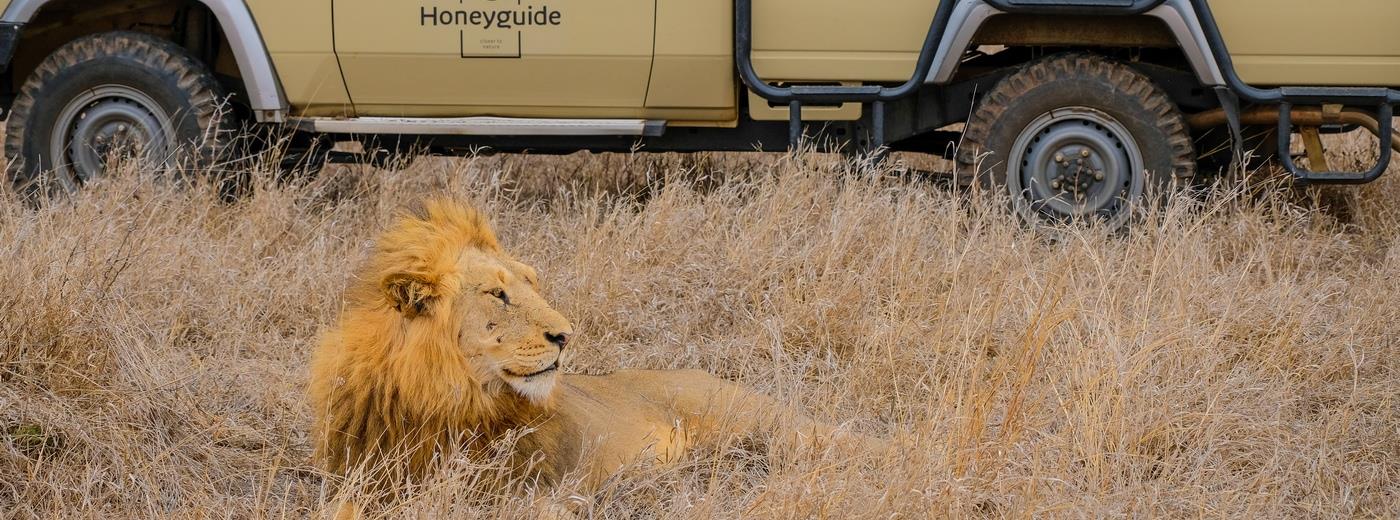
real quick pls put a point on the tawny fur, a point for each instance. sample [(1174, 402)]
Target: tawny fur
[(434, 351)]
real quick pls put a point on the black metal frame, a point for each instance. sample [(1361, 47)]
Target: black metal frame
[(1384, 99), (748, 136), (795, 96), (877, 95)]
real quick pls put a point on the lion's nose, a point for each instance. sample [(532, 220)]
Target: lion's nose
[(559, 339)]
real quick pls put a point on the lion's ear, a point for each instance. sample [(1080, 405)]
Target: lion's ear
[(411, 295)]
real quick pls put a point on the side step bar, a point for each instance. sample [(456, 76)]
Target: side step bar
[(1383, 99), (1384, 114), (481, 126)]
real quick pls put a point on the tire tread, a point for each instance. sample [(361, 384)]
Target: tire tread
[(1114, 75), (200, 87)]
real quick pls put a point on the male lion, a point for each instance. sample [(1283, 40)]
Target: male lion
[(448, 344)]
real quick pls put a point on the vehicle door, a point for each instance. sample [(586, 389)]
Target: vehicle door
[(523, 58)]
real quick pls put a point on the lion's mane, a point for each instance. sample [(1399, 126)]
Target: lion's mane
[(392, 394)]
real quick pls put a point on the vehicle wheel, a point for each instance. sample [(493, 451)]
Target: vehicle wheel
[(115, 93), (1077, 137)]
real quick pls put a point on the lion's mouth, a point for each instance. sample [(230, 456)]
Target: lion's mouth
[(552, 367)]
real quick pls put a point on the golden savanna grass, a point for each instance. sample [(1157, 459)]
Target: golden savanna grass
[(1233, 355)]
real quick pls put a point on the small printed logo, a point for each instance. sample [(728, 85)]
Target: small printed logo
[(490, 28)]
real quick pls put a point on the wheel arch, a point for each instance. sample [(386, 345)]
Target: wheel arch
[(235, 20), (984, 22)]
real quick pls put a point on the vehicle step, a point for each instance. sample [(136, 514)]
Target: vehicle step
[(1334, 94), (826, 90), (478, 126)]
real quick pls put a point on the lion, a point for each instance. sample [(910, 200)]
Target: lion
[(447, 343)]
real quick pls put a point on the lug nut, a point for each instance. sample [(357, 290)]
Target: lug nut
[(1084, 152), (1059, 157), (1055, 184), (1098, 175)]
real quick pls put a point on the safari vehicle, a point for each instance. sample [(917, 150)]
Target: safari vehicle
[(1077, 107)]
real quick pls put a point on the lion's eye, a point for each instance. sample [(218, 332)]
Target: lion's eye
[(500, 294)]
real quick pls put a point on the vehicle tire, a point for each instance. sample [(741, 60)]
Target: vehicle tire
[(114, 93), (1077, 137)]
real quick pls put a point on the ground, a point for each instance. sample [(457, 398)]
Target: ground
[(1234, 355)]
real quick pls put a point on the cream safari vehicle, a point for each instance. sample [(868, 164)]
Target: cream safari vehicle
[(1078, 108)]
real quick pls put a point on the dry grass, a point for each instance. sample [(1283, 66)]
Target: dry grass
[(1229, 357)]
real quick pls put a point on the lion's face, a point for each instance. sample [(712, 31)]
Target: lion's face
[(447, 278), (444, 334), (506, 328)]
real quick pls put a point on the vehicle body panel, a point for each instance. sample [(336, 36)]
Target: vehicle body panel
[(299, 39), (591, 58), (673, 59), (689, 68), (1272, 42), (1308, 42), (839, 40), (693, 64)]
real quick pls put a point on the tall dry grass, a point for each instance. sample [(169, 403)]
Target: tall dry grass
[(1230, 356)]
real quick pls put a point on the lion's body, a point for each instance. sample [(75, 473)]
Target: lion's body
[(639, 416), (447, 345)]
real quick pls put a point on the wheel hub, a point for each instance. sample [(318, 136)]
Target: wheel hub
[(1075, 162), (1076, 171), (112, 121)]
